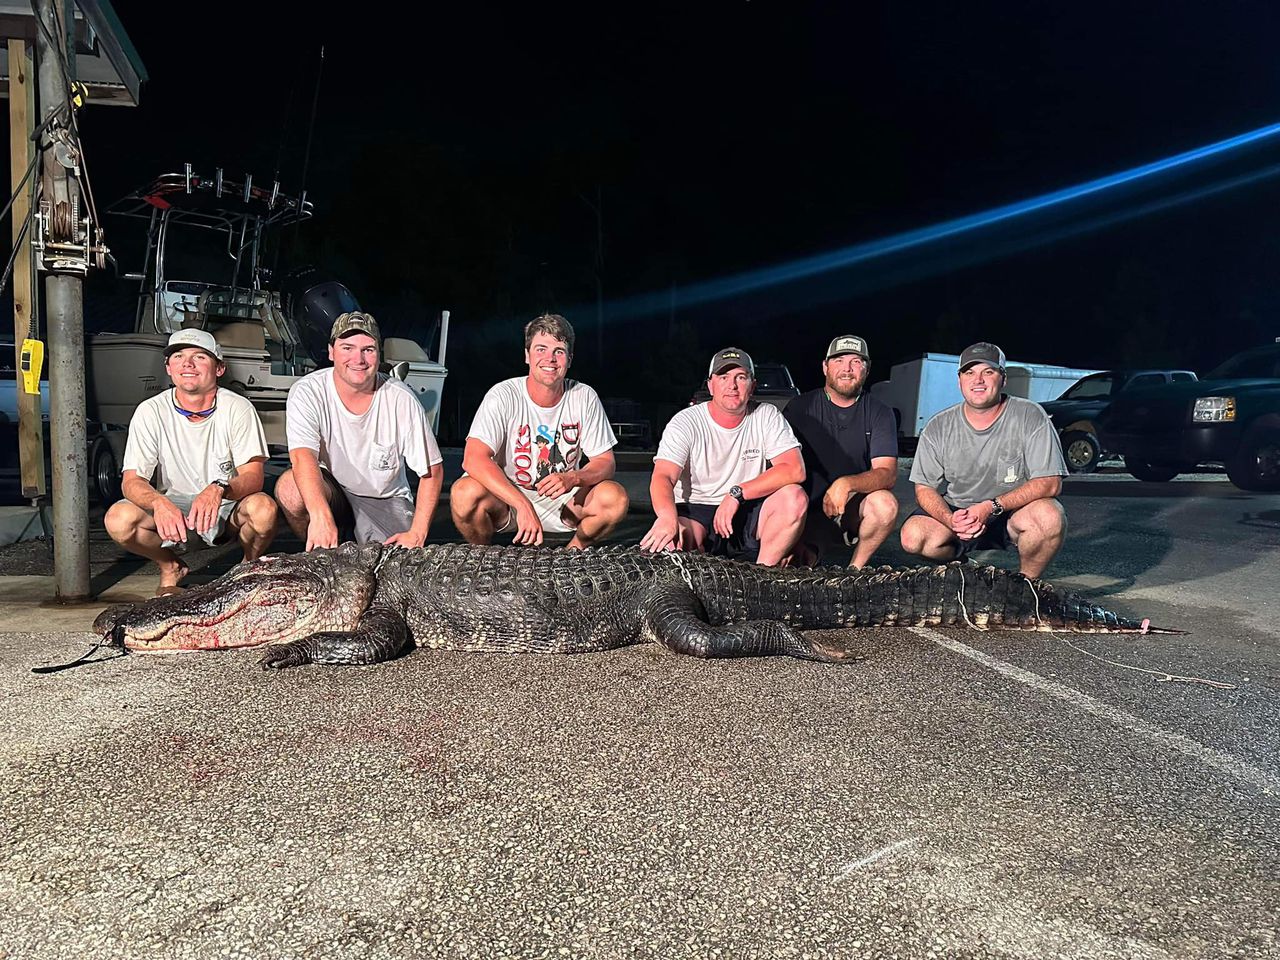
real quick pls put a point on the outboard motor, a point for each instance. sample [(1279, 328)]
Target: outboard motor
[(312, 299)]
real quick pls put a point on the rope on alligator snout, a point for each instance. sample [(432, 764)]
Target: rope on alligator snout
[(83, 658)]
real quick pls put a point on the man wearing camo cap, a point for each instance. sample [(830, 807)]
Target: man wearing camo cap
[(987, 472), (351, 432)]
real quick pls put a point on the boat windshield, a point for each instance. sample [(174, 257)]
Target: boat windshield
[(195, 253)]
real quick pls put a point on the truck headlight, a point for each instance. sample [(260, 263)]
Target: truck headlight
[(1214, 410)]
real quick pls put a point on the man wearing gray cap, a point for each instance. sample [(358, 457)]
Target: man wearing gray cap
[(727, 474), (193, 466), (351, 432), (849, 441), (987, 472)]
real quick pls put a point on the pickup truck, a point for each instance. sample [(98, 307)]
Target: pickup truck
[(1231, 417), (773, 385), (1074, 414)]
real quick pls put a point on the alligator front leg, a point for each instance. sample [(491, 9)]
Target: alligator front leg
[(674, 617), (379, 635)]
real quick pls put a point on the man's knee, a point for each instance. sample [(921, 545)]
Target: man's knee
[(879, 509), (607, 500), (288, 496), (259, 512), (466, 498), (918, 533), (789, 503), (1042, 519), (123, 519)]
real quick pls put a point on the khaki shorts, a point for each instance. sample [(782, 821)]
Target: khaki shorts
[(549, 511), (214, 535)]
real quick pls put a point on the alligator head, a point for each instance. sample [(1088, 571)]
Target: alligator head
[(272, 600)]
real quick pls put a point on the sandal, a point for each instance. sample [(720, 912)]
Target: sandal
[(169, 591)]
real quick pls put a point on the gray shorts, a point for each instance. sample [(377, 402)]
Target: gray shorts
[(367, 519), (214, 535)]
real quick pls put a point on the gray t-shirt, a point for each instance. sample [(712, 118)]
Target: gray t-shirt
[(967, 466)]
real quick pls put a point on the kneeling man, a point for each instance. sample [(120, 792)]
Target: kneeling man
[(193, 466), (987, 472), (727, 474)]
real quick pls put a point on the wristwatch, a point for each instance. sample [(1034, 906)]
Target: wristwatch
[(736, 492), (224, 484), (996, 509)]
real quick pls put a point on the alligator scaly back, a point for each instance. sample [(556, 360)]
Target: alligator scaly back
[(364, 604)]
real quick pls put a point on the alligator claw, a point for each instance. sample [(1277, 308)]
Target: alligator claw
[(283, 656)]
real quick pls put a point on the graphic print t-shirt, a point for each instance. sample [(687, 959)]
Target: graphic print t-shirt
[(530, 442)]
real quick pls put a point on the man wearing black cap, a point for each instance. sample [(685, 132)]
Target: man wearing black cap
[(987, 472), (193, 466), (727, 474), (850, 444), (351, 432)]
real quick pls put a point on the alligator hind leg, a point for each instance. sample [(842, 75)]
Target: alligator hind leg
[(379, 635), (675, 618)]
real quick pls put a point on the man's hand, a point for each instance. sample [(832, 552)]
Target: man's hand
[(204, 509), (722, 522), (170, 523), (663, 535), (969, 523), (556, 484), (321, 531), (407, 539), (528, 526), (837, 497)]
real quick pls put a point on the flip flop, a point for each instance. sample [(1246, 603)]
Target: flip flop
[(169, 591)]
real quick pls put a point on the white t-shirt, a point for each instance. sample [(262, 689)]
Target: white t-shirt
[(715, 458), (182, 457), (366, 453), (530, 442)]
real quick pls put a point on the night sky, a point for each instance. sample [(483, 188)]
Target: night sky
[(458, 156)]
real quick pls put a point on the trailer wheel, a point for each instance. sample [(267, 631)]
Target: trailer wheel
[(105, 471), (1081, 451)]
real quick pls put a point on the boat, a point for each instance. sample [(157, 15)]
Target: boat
[(207, 239)]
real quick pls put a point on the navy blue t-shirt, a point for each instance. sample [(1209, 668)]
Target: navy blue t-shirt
[(839, 441)]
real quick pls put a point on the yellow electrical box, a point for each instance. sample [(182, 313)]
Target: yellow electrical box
[(32, 364)]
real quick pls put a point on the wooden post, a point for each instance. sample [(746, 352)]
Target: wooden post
[(21, 151)]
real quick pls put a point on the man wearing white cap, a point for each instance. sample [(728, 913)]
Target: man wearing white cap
[(351, 432), (193, 466), (727, 474), (987, 472), (850, 444)]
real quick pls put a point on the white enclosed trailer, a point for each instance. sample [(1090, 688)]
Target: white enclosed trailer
[(917, 389)]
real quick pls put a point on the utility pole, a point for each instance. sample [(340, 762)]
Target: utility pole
[(64, 313)]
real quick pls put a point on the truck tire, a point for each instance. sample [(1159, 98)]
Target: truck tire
[(1081, 451), (104, 470), (1256, 465), (1151, 472)]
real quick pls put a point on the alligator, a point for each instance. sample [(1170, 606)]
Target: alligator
[(363, 604)]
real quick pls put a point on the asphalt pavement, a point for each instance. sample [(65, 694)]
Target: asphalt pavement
[(949, 794)]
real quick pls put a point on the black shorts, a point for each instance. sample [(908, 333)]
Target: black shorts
[(743, 544), (994, 537)]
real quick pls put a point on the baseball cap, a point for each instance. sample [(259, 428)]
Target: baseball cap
[(194, 337), (731, 357), (354, 322), (982, 353), (848, 344)]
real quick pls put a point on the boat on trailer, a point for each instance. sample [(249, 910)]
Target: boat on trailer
[(207, 239)]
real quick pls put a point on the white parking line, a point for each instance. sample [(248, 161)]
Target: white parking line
[(872, 858), (1224, 762)]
